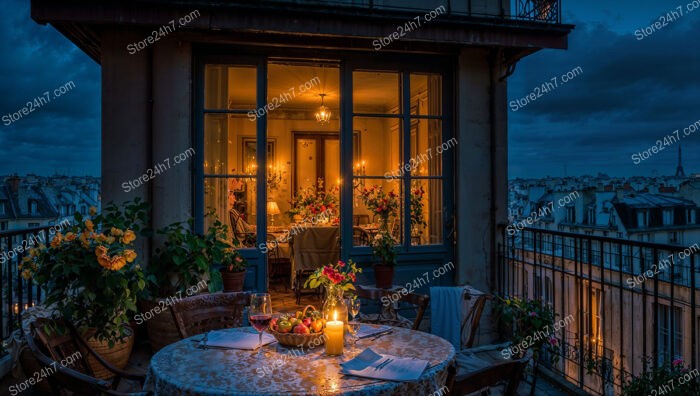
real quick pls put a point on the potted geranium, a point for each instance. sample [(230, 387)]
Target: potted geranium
[(91, 279), (233, 269)]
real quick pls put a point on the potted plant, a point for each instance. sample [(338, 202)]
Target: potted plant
[(385, 206), (663, 380), (233, 269), (185, 261), (528, 324), (384, 248), (91, 279)]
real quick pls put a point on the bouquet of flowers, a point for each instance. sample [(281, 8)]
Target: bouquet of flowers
[(314, 201), (384, 248), (340, 274), (385, 205), (417, 216)]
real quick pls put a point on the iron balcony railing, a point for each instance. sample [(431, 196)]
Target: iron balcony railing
[(17, 293), (545, 11), (629, 300)]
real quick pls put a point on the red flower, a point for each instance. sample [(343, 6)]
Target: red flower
[(353, 277), (341, 263)]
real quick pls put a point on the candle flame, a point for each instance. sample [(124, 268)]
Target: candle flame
[(335, 315)]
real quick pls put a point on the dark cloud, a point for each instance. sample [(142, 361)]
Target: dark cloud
[(631, 93), (62, 135)]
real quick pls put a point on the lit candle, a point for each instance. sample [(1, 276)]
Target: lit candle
[(16, 308), (334, 336)]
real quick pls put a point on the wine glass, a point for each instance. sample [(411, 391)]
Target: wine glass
[(260, 314), (353, 305)]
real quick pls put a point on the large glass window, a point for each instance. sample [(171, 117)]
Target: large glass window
[(401, 151)]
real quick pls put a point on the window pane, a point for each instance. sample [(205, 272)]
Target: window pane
[(426, 94), (376, 92), (380, 147), (297, 91), (232, 201), (229, 145), (427, 147), (426, 212), (366, 221), (229, 87)]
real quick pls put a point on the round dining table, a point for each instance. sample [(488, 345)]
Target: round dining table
[(183, 368)]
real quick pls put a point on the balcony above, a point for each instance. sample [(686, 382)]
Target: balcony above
[(337, 24)]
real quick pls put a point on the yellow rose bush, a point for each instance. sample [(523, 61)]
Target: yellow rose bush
[(90, 273)]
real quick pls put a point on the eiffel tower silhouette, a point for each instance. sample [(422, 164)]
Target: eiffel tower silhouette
[(679, 168)]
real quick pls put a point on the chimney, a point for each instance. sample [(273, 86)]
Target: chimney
[(13, 181)]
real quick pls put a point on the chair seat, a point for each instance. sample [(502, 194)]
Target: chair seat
[(467, 363)]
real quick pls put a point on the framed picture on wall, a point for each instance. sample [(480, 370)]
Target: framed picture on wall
[(249, 155)]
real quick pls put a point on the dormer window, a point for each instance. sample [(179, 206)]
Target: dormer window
[(642, 218), (690, 216), (83, 210), (668, 216), (33, 207)]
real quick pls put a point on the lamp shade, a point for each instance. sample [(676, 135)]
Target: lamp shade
[(272, 208)]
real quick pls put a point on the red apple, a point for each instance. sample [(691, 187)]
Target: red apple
[(307, 322), (301, 329)]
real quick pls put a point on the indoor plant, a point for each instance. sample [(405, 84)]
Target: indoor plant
[(418, 222), (91, 280)]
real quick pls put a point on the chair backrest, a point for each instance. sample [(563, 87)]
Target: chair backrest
[(60, 346), (205, 312), (419, 302), (470, 323), (360, 237), (510, 371), (75, 376), (315, 247)]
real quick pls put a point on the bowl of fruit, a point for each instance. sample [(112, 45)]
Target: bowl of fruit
[(301, 329)]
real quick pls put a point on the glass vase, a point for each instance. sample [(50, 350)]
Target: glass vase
[(334, 307)]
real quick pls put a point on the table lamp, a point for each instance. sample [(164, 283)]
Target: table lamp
[(272, 210)]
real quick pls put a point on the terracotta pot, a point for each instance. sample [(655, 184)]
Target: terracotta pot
[(117, 356), (233, 281), (384, 276), (161, 327)]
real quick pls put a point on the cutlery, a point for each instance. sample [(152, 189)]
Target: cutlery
[(383, 364), (203, 341), (382, 334), (379, 365)]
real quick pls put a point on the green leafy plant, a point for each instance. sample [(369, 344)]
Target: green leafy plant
[(530, 323), (663, 380), (232, 260), (90, 274), (186, 258), (384, 248)]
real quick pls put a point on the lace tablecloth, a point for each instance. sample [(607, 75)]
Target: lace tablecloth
[(183, 369)]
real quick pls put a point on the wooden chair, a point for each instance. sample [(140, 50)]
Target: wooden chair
[(360, 237), (470, 323), (360, 219), (389, 315), (279, 267), (205, 312), (510, 371), (78, 377), (242, 231)]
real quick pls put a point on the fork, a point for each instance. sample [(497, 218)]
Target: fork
[(383, 364), (380, 335), (203, 341)]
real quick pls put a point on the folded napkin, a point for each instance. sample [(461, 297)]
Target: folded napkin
[(236, 339), (369, 330), (398, 369)]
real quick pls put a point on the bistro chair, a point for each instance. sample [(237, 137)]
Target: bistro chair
[(279, 267), (360, 219), (206, 312), (78, 378), (390, 314), (242, 231), (360, 237), (510, 372)]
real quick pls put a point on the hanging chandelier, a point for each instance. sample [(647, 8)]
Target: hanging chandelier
[(323, 115)]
